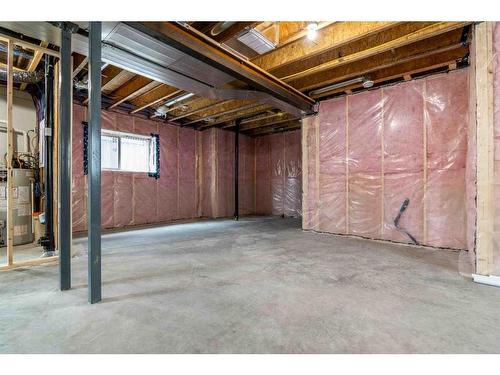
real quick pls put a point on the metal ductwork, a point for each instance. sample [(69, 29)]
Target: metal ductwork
[(18, 52), (220, 27), (23, 76), (81, 85)]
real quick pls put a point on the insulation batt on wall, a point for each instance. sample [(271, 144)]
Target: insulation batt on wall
[(391, 163), (279, 174), (196, 175)]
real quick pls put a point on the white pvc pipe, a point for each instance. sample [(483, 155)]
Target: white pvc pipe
[(487, 280)]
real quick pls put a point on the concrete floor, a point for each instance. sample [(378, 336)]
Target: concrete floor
[(254, 286), (22, 253)]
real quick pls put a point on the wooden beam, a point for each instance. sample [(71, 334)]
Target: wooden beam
[(27, 45), (14, 68), (37, 56), (219, 114), (80, 66), (330, 37), (29, 263), (211, 106), (162, 93), (301, 34), (283, 119), (399, 71), (394, 32), (135, 87), (413, 66), (242, 114), (427, 32), (387, 59), (283, 126), (263, 117), (110, 75), (483, 81)]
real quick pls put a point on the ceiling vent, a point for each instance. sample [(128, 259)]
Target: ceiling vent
[(256, 41)]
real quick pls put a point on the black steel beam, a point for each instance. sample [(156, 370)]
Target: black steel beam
[(236, 169), (94, 166), (64, 138)]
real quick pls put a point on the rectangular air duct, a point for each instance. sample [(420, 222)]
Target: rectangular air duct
[(256, 41)]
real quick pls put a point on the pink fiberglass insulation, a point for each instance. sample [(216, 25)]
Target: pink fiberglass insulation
[(246, 176), (217, 173), (263, 196), (332, 163), (403, 160), (402, 143), (293, 174), (128, 198), (446, 110), (278, 182), (208, 173), (187, 174), (225, 173), (107, 199), (144, 199), (364, 149), (123, 195), (277, 149), (496, 117), (79, 180), (196, 175), (108, 121), (168, 182)]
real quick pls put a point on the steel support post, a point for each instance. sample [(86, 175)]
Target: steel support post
[(64, 138), (236, 169), (94, 166)]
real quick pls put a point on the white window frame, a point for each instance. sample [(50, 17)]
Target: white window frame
[(120, 135)]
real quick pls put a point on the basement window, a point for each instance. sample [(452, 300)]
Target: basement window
[(128, 152)]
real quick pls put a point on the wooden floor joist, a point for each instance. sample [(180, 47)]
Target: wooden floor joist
[(137, 86), (335, 35), (33, 64), (427, 32), (159, 95), (387, 59)]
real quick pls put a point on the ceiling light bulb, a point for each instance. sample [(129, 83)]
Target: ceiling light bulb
[(367, 83), (312, 31)]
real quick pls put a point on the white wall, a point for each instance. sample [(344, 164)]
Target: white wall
[(23, 115)]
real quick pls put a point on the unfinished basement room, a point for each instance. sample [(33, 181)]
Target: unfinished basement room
[(249, 186)]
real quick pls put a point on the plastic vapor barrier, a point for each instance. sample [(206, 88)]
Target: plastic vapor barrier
[(196, 175), (278, 182), (391, 163)]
